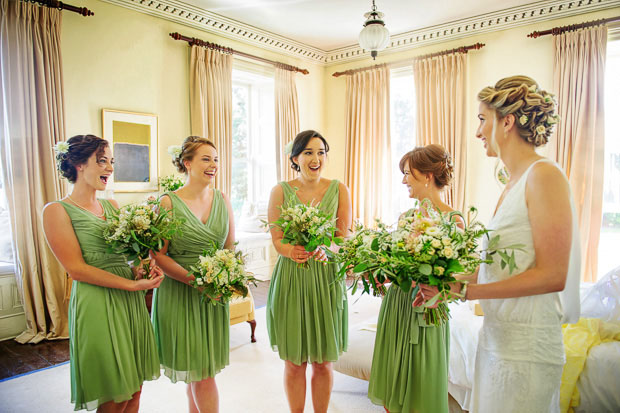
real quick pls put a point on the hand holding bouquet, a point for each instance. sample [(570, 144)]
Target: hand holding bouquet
[(135, 230), (219, 273), (427, 247), (307, 226)]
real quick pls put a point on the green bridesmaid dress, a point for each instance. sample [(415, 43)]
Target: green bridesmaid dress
[(307, 308), (409, 370), (192, 336), (111, 343)]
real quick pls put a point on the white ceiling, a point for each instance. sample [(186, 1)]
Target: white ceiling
[(331, 24)]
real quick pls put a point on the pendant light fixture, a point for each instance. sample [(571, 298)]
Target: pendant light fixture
[(374, 37)]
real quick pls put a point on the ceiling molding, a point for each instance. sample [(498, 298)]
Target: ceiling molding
[(201, 19)]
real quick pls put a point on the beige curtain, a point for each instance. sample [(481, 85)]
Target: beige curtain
[(210, 94), (367, 158), (287, 120), (579, 146), (440, 102), (32, 121)]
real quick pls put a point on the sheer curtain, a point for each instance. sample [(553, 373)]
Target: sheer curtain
[(31, 122), (287, 120), (367, 158), (579, 146), (210, 94), (440, 105)]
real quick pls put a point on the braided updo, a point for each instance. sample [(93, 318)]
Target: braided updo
[(76, 152), (533, 108), (433, 159), (188, 150)]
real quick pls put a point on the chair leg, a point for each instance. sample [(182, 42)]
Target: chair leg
[(253, 328)]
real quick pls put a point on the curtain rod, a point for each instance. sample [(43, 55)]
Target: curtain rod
[(462, 49), (195, 41), (559, 30), (55, 4)]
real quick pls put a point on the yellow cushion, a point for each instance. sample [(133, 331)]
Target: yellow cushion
[(241, 308)]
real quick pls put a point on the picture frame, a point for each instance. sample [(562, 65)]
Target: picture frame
[(133, 141)]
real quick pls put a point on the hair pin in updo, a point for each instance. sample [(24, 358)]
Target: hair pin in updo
[(533, 88), (288, 148), (61, 147), (175, 151)]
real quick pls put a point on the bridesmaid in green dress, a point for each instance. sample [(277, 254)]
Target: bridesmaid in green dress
[(307, 308), (111, 342), (192, 336), (409, 370)]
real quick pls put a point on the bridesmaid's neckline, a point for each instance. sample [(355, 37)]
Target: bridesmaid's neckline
[(192, 212), (322, 198), (89, 213)]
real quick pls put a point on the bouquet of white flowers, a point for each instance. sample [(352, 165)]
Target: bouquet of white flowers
[(219, 273), (425, 248), (308, 226), (170, 183), (134, 230)]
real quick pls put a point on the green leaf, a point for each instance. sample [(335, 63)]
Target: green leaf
[(425, 269), (361, 267)]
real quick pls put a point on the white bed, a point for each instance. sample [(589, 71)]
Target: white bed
[(599, 382)]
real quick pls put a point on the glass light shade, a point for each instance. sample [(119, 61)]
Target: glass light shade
[(374, 37)]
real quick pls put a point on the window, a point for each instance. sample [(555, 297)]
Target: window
[(253, 144), (6, 249), (402, 135), (610, 231)]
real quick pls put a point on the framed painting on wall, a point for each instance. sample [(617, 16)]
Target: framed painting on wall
[(133, 141)]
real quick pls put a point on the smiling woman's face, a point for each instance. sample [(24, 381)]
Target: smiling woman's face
[(312, 159)]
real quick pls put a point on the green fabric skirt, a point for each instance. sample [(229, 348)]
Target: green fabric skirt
[(192, 336), (307, 317), (111, 343), (409, 370)]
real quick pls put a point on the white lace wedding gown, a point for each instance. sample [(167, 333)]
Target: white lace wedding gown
[(520, 352)]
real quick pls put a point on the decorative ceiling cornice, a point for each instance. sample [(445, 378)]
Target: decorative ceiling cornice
[(201, 19)]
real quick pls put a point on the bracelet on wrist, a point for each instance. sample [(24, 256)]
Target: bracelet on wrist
[(463, 292)]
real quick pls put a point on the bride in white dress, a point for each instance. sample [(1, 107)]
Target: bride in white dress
[(520, 352)]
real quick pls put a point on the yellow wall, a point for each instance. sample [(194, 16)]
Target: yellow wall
[(122, 59), (506, 53), (125, 60)]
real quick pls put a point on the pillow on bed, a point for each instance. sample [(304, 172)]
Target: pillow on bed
[(602, 300)]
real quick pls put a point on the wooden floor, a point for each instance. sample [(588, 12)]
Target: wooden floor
[(16, 359)]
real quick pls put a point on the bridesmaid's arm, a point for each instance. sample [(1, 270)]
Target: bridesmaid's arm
[(171, 268), (64, 244), (276, 199), (344, 215), (230, 239)]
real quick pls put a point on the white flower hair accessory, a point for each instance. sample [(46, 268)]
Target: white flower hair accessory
[(175, 151), (540, 129), (61, 147), (523, 120), (288, 148), (552, 120)]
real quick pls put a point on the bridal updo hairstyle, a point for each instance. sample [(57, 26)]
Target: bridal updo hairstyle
[(433, 159), (188, 150), (533, 108), (81, 147), (300, 143)]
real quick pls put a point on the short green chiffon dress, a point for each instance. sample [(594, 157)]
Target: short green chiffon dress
[(111, 342), (307, 317), (192, 336), (409, 370)]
